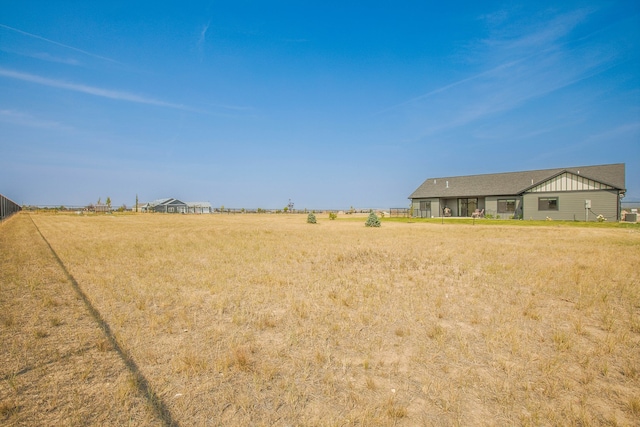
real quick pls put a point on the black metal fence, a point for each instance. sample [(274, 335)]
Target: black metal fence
[(292, 211), (7, 207), (399, 212), (393, 212)]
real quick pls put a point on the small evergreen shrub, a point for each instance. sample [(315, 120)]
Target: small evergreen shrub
[(333, 215), (372, 220), (311, 218)]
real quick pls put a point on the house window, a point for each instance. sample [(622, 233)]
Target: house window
[(506, 205), (424, 209), (172, 209), (547, 203)]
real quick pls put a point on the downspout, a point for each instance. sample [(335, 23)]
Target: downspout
[(621, 194)]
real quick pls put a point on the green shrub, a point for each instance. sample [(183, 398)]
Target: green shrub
[(333, 215), (372, 220), (311, 218)]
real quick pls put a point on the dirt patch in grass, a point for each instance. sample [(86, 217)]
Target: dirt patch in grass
[(268, 320)]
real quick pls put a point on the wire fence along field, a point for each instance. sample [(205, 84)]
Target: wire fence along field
[(400, 212), (214, 210), (7, 207)]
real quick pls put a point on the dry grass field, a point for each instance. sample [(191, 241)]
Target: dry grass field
[(265, 320)]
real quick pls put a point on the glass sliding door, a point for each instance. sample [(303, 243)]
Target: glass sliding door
[(467, 206)]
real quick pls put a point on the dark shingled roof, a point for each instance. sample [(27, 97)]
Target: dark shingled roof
[(513, 183)]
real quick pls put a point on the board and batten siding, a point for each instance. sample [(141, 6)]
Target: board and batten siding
[(571, 205), (570, 182)]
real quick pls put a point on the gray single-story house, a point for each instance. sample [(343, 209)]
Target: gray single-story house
[(176, 206), (575, 193), (166, 206)]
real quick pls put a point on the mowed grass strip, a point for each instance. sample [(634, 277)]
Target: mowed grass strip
[(268, 320), (56, 367)]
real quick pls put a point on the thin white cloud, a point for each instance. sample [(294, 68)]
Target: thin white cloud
[(44, 56), (66, 46), (613, 134), (532, 62), (522, 37), (597, 143), (25, 119), (91, 90), (444, 88), (203, 34), (202, 40)]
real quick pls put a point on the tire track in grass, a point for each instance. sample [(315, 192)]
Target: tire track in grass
[(141, 382)]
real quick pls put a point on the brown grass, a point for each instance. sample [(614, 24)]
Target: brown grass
[(53, 370), (268, 320)]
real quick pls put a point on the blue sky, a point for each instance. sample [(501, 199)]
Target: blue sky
[(329, 104)]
